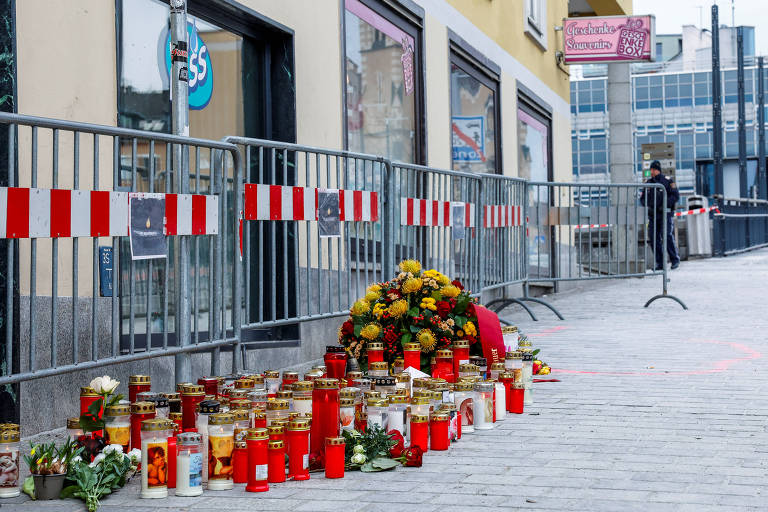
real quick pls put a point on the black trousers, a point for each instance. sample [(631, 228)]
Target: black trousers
[(657, 231)]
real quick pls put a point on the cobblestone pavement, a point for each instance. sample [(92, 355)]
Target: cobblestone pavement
[(657, 409)]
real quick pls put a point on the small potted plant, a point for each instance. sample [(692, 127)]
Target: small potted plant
[(48, 465)]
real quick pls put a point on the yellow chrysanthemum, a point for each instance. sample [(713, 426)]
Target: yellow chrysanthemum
[(426, 339), (431, 273), (398, 308), (378, 309), (443, 280), (411, 285), (411, 266), (373, 288), (450, 291), (470, 329), (370, 331), (428, 303), (372, 296), (360, 307)]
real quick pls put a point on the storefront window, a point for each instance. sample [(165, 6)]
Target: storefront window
[(474, 119), (381, 84)]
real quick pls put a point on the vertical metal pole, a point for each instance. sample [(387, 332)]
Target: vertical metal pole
[(743, 185), (180, 126), (717, 121), (761, 180)]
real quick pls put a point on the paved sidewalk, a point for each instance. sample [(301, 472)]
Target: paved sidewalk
[(657, 409)]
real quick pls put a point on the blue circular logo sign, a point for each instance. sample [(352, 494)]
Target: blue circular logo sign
[(199, 68)]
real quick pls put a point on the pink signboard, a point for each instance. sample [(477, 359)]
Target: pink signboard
[(609, 39)]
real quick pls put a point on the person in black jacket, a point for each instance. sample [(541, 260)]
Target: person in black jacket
[(653, 199)]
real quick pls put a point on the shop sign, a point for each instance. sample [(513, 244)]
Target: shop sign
[(468, 135), (199, 66), (609, 39)]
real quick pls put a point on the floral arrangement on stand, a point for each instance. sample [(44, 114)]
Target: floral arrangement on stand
[(422, 306)]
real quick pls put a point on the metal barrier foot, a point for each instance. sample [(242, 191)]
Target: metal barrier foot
[(544, 303), (503, 303), (665, 296)]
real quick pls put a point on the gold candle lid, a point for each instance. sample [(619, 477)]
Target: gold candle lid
[(375, 345), (88, 391), (334, 441), (419, 418), (258, 380), (193, 389), (299, 424), (142, 407), (154, 425), (398, 361), (242, 414), (302, 385), (10, 436), (171, 396), (440, 416), (238, 394), (420, 400), (371, 394), (290, 375), (139, 379), (444, 352), (175, 416), (348, 392), (421, 382), (448, 407), (403, 377), (327, 383), (506, 376), (72, 424), (346, 402), (284, 394), (257, 434), (469, 367), (181, 385), (513, 354), (378, 365), (244, 383), (120, 409), (460, 344), (463, 386), (240, 404), (221, 418), (277, 405), (498, 367), (398, 399), (411, 346), (271, 374), (354, 375), (508, 329), (276, 444)]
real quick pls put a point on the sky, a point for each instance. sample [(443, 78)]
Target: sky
[(671, 15)]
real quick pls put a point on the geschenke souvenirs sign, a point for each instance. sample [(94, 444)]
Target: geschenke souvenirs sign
[(609, 39)]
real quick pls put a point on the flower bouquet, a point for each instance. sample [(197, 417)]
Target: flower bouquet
[(422, 306)]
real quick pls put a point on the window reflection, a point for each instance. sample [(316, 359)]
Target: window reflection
[(473, 127)]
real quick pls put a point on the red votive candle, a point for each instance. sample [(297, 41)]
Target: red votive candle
[(517, 397), (375, 351), (137, 384), (172, 453), (325, 413), (257, 441), (298, 448), (191, 395), (87, 397), (458, 424), (412, 355), (276, 462), (438, 431), (507, 378), (419, 430), (336, 361), (443, 368), (259, 419), (210, 385), (288, 379), (240, 462), (334, 457), (460, 355), (140, 411), (276, 433)]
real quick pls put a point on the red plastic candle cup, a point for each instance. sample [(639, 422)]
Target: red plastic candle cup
[(412, 355), (336, 361), (210, 384), (138, 384), (87, 397), (258, 460), (191, 395), (172, 453), (419, 430), (438, 431), (494, 402), (240, 462), (276, 433), (140, 411), (298, 448), (288, 379), (507, 378), (518, 397), (259, 419), (375, 351), (460, 355), (325, 413), (276, 462), (443, 368), (458, 424), (334, 457)]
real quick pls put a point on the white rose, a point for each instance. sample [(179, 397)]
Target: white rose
[(98, 458), (104, 384), (113, 448), (358, 458), (76, 459), (135, 454), (358, 449)]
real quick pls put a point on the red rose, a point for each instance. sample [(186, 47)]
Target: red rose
[(317, 460), (443, 308), (457, 284), (347, 328), (413, 456), (399, 446)]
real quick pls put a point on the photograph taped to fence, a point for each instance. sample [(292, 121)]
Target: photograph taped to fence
[(147, 226), (457, 220), (328, 217)]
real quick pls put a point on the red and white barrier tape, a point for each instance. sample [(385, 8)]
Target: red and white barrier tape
[(500, 216), (279, 202), (591, 226), (60, 213), (426, 212), (697, 211)]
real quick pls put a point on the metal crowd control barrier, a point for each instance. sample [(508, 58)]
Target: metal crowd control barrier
[(62, 199), (740, 225), (299, 267), (435, 219), (597, 231)]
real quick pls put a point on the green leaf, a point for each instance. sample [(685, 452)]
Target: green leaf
[(384, 463), (462, 301), (368, 467), (428, 313), (406, 338), (460, 321), (415, 328), (69, 491), (29, 487), (95, 408), (414, 311), (358, 328), (536, 352)]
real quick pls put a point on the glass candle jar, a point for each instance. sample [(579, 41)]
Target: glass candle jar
[(482, 365), (403, 382), (176, 418), (513, 360), (397, 414), (312, 375), (419, 383), (277, 410), (336, 361), (146, 396), (191, 396), (460, 354), (443, 368), (137, 384), (286, 395), (258, 460), (375, 352), (87, 397), (334, 457), (140, 411), (302, 396), (463, 396), (206, 409), (352, 375), (517, 398), (377, 413), (368, 395), (435, 399), (174, 402), (240, 462), (347, 413), (453, 420), (445, 389), (298, 448), (510, 336), (259, 419), (482, 406), (321, 368), (242, 423), (362, 383), (500, 401), (469, 370), (325, 413), (210, 385), (117, 424), (182, 385), (384, 385), (189, 464), (289, 377), (438, 431), (419, 431), (154, 458), (398, 365), (497, 369), (275, 462), (420, 405), (74, 430), (9, 451), (162, 406), (412, 355), (272, 382), (378, 369), (258, 398), (240, 404), (528, 376), (221, 443)]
